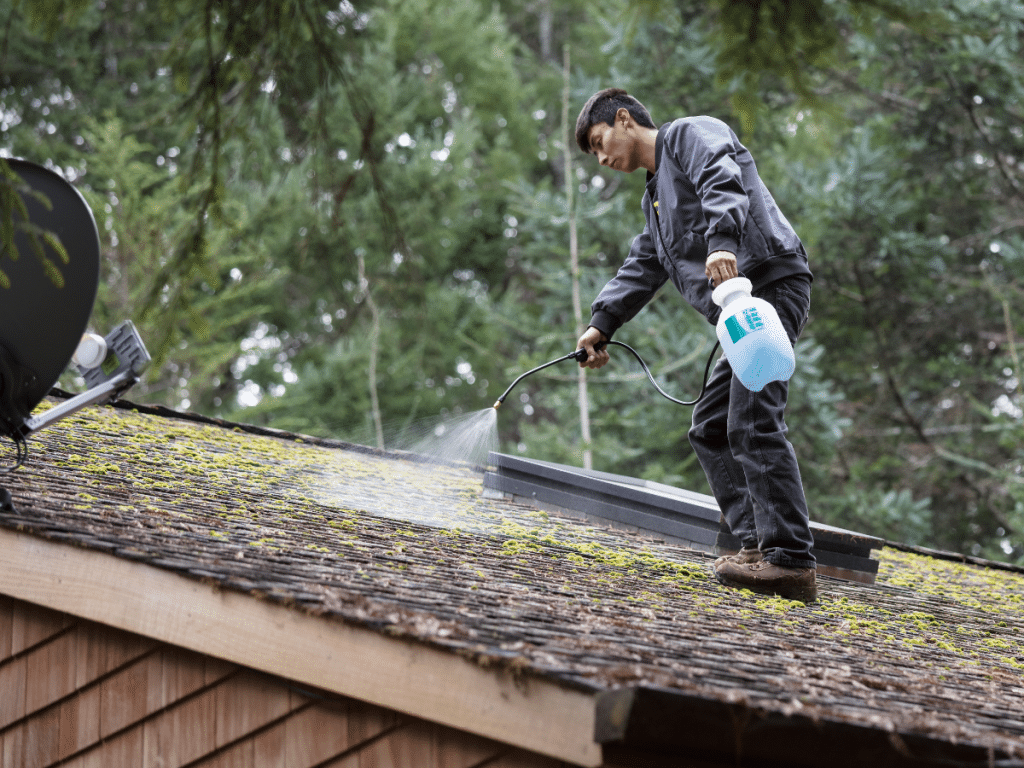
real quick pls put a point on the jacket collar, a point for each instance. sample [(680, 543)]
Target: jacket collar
[(659, 143)]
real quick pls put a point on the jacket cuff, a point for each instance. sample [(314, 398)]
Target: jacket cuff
[(605, 322), (723, 241)]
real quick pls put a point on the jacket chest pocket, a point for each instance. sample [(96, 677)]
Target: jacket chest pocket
[(674, 247)]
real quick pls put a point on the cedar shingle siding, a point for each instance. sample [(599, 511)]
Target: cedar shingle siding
[(77, 694)]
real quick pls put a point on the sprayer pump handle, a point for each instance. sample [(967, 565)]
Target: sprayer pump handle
[(581, 354)]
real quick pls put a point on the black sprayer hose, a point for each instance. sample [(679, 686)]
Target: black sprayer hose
[(581, 354)]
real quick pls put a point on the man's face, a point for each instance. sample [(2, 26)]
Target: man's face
[(615, 145)]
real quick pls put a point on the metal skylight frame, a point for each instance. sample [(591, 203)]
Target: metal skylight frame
[(663, 511)]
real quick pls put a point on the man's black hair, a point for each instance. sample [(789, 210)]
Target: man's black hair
[(601, 108)]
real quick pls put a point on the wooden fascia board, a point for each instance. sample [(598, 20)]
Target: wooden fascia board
[(399, 674)]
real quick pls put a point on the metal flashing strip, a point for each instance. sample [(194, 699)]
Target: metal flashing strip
[(677, 515)]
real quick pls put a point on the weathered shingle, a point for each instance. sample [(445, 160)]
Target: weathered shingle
[(414, 549)]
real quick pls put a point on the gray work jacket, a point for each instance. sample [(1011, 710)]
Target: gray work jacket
[(705, 196)]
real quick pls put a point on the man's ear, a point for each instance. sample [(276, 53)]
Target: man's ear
[(623, 117)]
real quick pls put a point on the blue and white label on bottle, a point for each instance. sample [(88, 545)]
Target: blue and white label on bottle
[(754, 321), (736, 331), (751, 322)]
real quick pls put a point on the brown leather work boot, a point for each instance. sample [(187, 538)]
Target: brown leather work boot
[(745, 555), (770, 579)]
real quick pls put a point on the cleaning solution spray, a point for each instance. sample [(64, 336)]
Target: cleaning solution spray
[(752, 336)]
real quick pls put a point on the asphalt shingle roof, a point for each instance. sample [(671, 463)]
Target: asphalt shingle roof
[(414, 549)]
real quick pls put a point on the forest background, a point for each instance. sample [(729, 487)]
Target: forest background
[(342, 219)]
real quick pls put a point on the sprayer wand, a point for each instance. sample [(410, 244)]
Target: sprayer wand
[(571, 356), (581, 354)]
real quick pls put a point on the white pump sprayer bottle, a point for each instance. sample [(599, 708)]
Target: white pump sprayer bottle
[(752, 336)]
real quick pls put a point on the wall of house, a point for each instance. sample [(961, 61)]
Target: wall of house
[(77, 694)]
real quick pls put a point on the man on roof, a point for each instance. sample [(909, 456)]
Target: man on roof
[(709, 218)]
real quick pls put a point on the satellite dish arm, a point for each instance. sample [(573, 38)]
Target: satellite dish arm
[(102, 393), (121, 359)]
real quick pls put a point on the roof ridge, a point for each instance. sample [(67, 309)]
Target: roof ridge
[(958, 557)]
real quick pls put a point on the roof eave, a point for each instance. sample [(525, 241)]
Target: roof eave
[(402, 674)]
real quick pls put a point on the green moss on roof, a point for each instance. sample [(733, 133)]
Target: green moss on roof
[(387, 541)]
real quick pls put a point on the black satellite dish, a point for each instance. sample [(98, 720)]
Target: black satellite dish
[(43, 313), (45, 305)]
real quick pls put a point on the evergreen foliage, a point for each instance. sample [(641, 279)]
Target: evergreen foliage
[(292, 195)]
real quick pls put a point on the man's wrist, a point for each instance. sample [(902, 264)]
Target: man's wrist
[(720, 256), (604, 322), (721, 266)]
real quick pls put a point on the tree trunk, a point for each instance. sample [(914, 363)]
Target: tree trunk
[(577, 307)]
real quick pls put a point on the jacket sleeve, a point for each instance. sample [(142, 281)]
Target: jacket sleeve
[(705, 149), (636, 282)]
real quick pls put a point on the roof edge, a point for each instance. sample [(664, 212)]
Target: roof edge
[(418, 679)]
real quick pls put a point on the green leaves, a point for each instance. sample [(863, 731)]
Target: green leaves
[(904, 226), (14, 219)]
